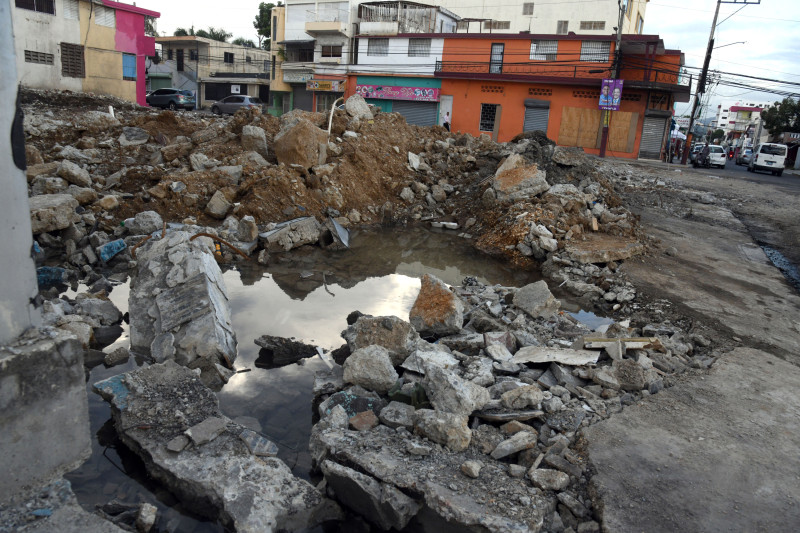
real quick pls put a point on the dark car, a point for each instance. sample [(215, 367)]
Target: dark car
[(233, 103), (172, 98)]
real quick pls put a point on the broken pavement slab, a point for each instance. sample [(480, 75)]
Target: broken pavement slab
[(547, 354), (226, 477), (602, 248)]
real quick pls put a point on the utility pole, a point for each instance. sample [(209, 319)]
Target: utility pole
[(614, 73), (701, 82)]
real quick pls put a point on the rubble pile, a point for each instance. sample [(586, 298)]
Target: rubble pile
[(480, 425)]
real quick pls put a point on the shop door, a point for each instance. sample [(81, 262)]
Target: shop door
[(652, 137), (418, 113), (536, 119), (303, 99)]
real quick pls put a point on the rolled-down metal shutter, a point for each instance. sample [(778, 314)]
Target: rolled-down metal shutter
[(652, 137), (537, 113), (303, 99), (419, 113)]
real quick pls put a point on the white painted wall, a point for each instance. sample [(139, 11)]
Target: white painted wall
[(18, 279), (397, 61), (41, 32)]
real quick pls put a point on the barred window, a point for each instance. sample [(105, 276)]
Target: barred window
[(42, 6), (595, 50), (71, 11), (38, 57), (488, 115), (332, 51), (496, 25), (378, 47), (72, 64), (129, 67), (527, 8), (419, 47), (105, 16), (593, 24), (562, 28), (544, 50)]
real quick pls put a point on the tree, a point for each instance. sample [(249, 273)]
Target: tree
[(718, 134), (241, 41), (783, 116), (263, 24), (182, 32), (214, 34)]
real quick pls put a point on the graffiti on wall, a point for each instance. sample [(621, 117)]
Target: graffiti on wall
[(390, 92)]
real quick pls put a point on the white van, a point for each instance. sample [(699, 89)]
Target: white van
[(770, 157)]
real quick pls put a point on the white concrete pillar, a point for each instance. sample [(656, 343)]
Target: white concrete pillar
[(17, 269)]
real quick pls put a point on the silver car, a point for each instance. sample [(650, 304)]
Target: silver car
[(233, 103)]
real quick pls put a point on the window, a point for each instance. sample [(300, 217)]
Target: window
[(43, 6), (105, 16), (192, 55), (72, 64), (527, 8), (38, 57), (266, 65), (496, 59), (71, 11), (419, 47), (462, 25), (497, 25), (544, 50), (377, 47), (593, 25), (639, 24), (228, 57), (595, 51), (628, 7), (488, 114), (179, 67), (326, 100), (273, 71), (274, 29), (332, 51), (129, 67), (562, 28), (248, 59), (169, 54)]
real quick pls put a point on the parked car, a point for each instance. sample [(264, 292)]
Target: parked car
[(172, 98), (696, 149), (717, 156), (744, 156), (233, 103), (770, 157)]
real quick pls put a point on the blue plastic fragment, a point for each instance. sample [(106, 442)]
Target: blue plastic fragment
[(115, 388), (37, 248), (109, 250), (48, 276), (41, 513)]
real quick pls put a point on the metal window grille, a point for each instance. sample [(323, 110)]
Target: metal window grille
[(192, 55), (331, 51), (527, 8), (562, 28), (496, 59), (129, 67), (488, 114), (38, 57), (169, 54), (378, 47), (42, 6), (497, 25), (595, 51), (105, 16), (593, 24), (72, 64), (544, 50), (419, 47), (228, 58), (71, 11)]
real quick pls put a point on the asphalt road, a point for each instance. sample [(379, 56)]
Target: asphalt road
[(732, 170)]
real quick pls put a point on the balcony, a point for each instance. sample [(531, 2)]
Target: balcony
[(491, 69), (326, 27)]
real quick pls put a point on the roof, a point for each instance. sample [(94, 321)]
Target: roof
[(744, 108), (131, 9)]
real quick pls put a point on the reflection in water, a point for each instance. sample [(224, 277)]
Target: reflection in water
[(307, 295)]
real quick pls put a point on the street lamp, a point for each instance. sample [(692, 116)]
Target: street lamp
[(729, 44)]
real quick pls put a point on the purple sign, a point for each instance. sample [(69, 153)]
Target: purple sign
[(390, 92), (610, 95)]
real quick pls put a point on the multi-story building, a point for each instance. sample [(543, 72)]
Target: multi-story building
[(81, 45), (213, 69), (598, 17), (741, 121)]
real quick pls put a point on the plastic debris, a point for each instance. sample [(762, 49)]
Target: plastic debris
[(48, 276), (109, 250)]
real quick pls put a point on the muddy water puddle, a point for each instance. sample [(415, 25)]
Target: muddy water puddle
[(307, 295), (787, 268)]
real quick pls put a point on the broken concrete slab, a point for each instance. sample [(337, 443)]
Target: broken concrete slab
[(448, 392), (416, 361), (602, 248), (51, 212), (436, 311), (254, 139), (219, 478), (391, 332), (291, 234), (190, 310), (551, 354), (300, 142), (536, 300), (371, 368), (514, 180)]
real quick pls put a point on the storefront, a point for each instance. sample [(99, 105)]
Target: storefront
[(417, 99), (326, 92), (302, 98)]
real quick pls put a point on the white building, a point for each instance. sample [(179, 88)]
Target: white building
[(741, 119), (598, 17)]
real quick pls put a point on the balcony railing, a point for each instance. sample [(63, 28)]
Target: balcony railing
[(523, 69)]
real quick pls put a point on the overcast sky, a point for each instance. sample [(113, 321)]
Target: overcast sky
[(769, 29)]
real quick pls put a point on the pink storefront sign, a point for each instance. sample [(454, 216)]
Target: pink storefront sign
[(390, 92)]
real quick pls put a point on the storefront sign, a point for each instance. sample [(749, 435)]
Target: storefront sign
[(301, 76), (610, 95), (236, 89), (390, 92), (335, 86)]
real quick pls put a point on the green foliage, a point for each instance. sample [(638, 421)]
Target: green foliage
[(182, 32), (718, 134), (241, 41), (212, 33), (783, 116), (263, 24)]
